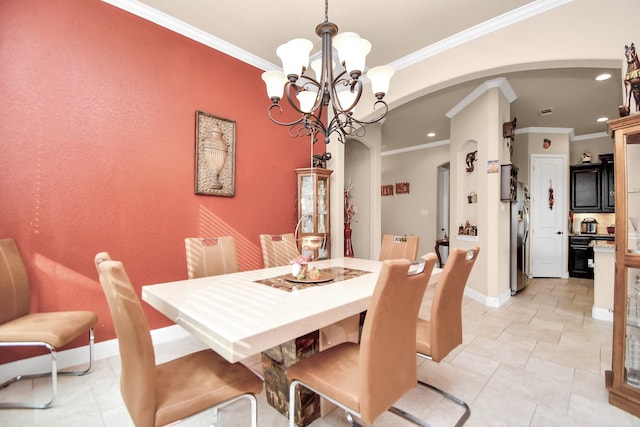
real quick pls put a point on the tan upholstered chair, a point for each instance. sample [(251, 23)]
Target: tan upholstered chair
[(366, 379), (156, 395), (210, 256), (443, 332), (399, 247), (19, 327), (278, 249)]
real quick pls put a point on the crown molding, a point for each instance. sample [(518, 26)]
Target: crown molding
[(590, 136), (189, 31), (506, 19), (416, 147), (500, 83)]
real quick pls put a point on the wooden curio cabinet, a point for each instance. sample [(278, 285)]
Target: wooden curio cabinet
[(623, 381), (313, 230)]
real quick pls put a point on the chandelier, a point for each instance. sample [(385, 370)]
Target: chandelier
[(312, 99)]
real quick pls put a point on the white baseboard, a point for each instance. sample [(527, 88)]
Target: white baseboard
[(495, 302), (79, 356), (602, 314)]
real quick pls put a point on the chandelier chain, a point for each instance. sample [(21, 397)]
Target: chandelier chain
[(326, 10)]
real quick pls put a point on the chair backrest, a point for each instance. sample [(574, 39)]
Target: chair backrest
[(388, 344), (278, 249), (210, 256), (14, 283), (446, 306), (399, 247), (137, 379)]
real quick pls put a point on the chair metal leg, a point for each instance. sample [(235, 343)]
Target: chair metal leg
[(414, 420), (292, 404), (409, 417), (254, 408), (467, 411), (350, 413), (54, 374)]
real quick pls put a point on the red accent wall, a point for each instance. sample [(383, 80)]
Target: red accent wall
[(97, 129)]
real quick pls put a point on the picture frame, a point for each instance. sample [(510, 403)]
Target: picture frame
[(493, 166), (215, 155), (387, 190), (402, 188)]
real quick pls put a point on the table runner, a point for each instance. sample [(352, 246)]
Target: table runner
[(339, 274)]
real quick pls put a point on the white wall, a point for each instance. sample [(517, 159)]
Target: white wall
[(358, 172), (414, 213)]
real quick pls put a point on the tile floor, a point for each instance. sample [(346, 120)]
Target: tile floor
[(539, 360)]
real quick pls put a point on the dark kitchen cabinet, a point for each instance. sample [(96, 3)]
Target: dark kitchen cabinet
[(579, 255), (608, 183), (586, 188), (593, 186)]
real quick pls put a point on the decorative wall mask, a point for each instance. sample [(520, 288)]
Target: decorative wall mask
[(509, 129), (471, 157)]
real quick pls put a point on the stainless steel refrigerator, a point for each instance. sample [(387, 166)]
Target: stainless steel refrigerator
[(519, 262)]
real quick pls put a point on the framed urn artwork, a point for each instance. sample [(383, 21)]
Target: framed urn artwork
[(215, 161)]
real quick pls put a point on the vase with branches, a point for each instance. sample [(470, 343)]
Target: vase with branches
[(350, 211)]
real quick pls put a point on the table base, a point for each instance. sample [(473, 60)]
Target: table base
[(275, 362)]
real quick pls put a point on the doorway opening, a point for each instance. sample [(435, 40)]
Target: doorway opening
[(442, 214)]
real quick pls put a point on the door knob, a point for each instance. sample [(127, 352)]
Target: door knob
[(559, 232)]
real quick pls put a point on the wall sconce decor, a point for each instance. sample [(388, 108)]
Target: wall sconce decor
[(320, 161), (472, 197), (509, 129), (467, 229), (215, 155), (470, 158), (402, 188), (387, 190)]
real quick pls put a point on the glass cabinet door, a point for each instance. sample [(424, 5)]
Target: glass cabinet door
[(632, 160), (307, 203), (313, 212), (632, 326)]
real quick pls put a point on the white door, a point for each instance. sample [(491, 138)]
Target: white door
[(548, 215)]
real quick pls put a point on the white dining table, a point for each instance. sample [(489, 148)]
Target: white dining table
[(238, 317)]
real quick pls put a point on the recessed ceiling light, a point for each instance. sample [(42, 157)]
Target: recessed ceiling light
[(602, 119), (603, 76), (431, 134)]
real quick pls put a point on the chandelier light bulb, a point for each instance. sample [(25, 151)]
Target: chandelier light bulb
[(380, 77), (275, 81), (340, 39), (346, 98), (316, 66), (307, 99), (295, 56), (353, 52)]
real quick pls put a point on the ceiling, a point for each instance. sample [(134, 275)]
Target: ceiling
[(257, 27)]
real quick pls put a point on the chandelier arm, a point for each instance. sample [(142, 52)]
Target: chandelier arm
[(297, 89), (378, 118), (308, 125), (278, 122), (355, 86)]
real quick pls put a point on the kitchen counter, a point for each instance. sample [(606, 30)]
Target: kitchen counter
[(603, 246), (595, 236), (603, 279)]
